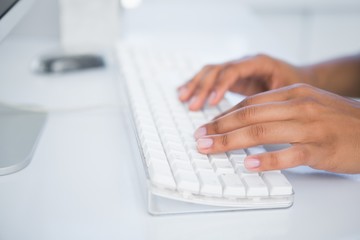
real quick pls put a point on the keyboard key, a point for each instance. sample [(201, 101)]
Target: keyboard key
[(168, 130), (237, 154), (255, 186), (155, 155), (169, 137), (202, 166), (224, 105), (237, 159), (197, 115), (179, 165), (209, 184), (155, 145), (195, 155), (255, 150), (222, 167), (187, 181), (211, 112), (277, 183), (174, 145), (199, 123), (241, 170), (218, 157), (161, 175), (232, 185), (190, 145), (176, 155)]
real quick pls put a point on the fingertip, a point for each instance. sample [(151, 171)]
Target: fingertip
[(196, 103), (252, 163), (194, 107), (200, 132), (193, 103), (217, 97), (212, 98), (214, 102), (183, 93)]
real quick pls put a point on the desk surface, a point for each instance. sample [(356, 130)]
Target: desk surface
[(82, 182)]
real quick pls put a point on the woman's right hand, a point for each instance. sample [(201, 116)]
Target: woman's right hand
[(246, 76)]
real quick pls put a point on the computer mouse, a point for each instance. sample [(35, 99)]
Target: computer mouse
[(68, 63)]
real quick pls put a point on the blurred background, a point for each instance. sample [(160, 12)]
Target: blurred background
[(301, 31), (312, 29)]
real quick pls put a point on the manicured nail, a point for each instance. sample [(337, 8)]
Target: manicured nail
[(193, 100), (212, 97), (204, 143), (251, 163), (200, 132), (183, 92)]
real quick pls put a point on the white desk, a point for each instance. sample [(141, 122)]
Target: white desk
[(82, 182)]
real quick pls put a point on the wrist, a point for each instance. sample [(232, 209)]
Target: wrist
[(310, 75)]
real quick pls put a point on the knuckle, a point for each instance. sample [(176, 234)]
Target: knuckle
[(203, 85), (262, 58), (257, 132), (301, 89), (210, 67), (224, 141), (228, 69), (190, 83), (206, 79), (274, 161), (246, 102), (207, 67), (216, 127), (300, 157), (246, 113), (309, 105)]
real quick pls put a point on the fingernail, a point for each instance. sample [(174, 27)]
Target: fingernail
[(200, 132), (183, 92), (193, 100), (251, 163), (212, 97), (204, 143)]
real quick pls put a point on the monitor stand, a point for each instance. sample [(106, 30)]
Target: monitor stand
[(20, 131)]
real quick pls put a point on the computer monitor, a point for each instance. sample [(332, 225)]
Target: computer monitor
[(19, 129), (11, 12)]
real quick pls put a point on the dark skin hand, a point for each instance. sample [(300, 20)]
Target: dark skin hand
[(322, 127)]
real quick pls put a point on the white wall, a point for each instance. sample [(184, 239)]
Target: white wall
[(314, 30), (309, 30)]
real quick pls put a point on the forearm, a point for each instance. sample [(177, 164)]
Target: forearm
[(341, 76)]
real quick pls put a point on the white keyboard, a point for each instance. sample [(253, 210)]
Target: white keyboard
[(165, 128)]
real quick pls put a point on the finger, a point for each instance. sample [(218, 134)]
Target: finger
[(260, 98), (293, 156), (257, 134), (229, 73), (230, 110), (204, 89), (258, 66), (183, 92), (280, 94), (234, 71), (276, 95), (221, 86), (250, 115), (218, 93), (242, 69), (187, 91)]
